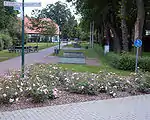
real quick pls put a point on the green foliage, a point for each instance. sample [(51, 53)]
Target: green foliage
[(61, 14), (144, 84), (126, 61), (1, 44), (6, 40)]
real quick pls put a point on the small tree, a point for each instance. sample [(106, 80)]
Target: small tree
[(48, 28)]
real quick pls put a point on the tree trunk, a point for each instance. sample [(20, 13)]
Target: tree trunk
[(93, 34), (124, 26), (90, 34), (140, 21), (116, 40)]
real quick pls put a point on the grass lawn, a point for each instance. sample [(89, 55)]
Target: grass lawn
[(5, 55), (146, 54), (42, 45), (97, 52)]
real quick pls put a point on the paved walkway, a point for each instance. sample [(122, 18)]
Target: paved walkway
[(131, 108), (30, 58)]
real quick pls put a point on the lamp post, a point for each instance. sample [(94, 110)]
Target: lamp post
[(22, 54)]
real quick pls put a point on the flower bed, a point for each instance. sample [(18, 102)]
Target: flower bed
[(44, 82)]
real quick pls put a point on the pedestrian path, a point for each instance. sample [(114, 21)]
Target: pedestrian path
[(30, 58), (131, 108)]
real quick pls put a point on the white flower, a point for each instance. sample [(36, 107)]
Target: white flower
[(1, 88), (4, 95), (21, 90), (29, 88), (111, 92), (106, 88), (78, 78), (109, 83), (114, 94), (7, 87), (115, 87), (128, 82), (45, 91), (11, 100), (17, 99), (55, 92), (21, 84), (44, 86), (82, 87), (16, 93), (116, 81), (33, 85)]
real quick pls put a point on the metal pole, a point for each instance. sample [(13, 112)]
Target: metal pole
[(137, 55), (59, 37), (22, 64)]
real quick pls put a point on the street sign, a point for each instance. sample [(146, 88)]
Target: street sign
[(19, 4), (138, 43), (12, 4), (32, 4)]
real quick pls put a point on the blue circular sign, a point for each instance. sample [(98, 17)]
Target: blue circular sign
[(138, 43)]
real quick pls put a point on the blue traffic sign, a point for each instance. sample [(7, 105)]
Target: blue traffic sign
[(138, 43), (17, 8)]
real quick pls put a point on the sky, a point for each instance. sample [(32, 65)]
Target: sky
[(28, 10)]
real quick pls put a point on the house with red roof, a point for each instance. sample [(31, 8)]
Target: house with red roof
[(34, 35)]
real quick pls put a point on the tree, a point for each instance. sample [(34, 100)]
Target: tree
[(9, 24), (60, 13)]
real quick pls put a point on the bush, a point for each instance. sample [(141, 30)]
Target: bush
[(42, 80), (126, 61), (1, 44), (144, 84), (6, 39), (10, 88)]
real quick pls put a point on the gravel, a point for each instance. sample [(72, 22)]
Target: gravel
[(64, 98)]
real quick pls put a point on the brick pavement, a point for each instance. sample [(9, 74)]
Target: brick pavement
[(131, 108)]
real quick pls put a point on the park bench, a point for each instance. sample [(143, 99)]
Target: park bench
[(11, 49)]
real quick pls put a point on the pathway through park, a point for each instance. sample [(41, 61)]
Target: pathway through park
[(31, 58)]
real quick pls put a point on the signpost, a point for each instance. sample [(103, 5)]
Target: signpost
[(16, 5), (137, 44)]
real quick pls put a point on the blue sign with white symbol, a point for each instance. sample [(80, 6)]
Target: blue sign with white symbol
[(138, 43)]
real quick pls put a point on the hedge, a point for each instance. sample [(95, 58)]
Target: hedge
[(127, 62)]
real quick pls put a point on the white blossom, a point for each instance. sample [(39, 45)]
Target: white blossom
[(4, 95), (11, 100)]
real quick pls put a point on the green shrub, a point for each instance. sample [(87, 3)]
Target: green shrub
[(144, 84), (6, 40), (126, 61), (1, 44)]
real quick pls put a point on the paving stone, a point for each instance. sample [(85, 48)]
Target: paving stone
[(130, 108)]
